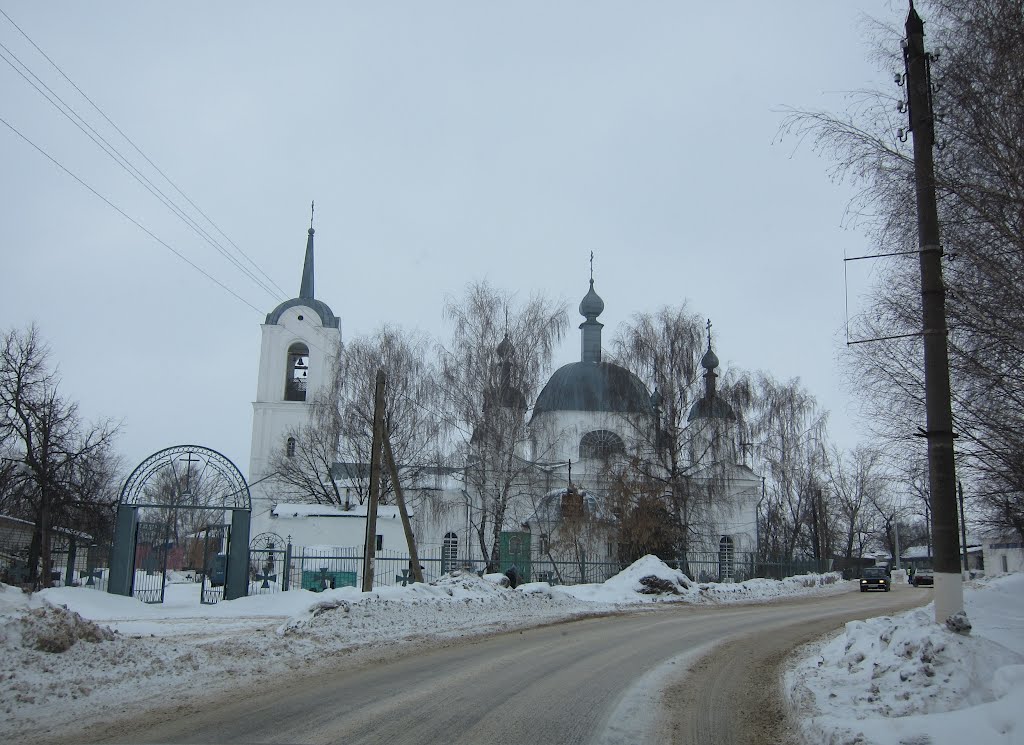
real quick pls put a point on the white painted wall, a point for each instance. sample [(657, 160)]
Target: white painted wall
[(273, 417), (335, 527), (1003, 554)]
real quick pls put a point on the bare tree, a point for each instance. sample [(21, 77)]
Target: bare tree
[(979, 95), (63, 463), (789, 430), (854, 480), (495, 361), (666, 350), (305, 471), (331, 453)]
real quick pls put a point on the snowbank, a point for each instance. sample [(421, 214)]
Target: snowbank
[(905, 679), (649, 579)]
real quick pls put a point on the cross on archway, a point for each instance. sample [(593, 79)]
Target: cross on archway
[(188, 460)]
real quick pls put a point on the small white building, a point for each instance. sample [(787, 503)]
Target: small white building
[(1003, 553), (326, 525)]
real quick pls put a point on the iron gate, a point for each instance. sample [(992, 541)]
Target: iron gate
[(267, 556), (150, 571), (215, 563)]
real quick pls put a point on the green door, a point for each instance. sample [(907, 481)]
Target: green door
[(515, 549)]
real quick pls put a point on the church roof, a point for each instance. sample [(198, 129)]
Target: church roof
[(713, 407), (710, 405), (591, 384), (305, 298), (594, 386), (327, 317)]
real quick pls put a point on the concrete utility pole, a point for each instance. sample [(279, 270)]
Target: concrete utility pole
[(370, 544), (949, 594)]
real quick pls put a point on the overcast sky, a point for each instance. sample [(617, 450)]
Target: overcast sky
[(443, 142)]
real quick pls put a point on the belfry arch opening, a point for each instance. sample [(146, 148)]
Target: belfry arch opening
[(296, 373)]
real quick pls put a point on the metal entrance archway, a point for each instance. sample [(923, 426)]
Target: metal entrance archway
[(185, 488)]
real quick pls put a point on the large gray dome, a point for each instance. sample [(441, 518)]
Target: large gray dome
[(594, 386)]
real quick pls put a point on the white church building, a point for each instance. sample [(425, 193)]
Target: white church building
[(590, 413)]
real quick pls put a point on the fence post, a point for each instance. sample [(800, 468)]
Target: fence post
[(286, 579), (69, 575)]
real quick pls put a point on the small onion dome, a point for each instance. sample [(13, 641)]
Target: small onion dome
[(592, 305), (710, 360), (505, 347)]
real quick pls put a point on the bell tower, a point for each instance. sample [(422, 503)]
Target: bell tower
[(301, 338)]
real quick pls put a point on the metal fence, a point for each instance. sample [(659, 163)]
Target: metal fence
[(325, 568)]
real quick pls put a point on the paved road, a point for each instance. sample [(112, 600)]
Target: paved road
[(557, 684)]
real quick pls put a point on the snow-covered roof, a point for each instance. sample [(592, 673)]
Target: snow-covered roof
[(922, 552), (297, 509)]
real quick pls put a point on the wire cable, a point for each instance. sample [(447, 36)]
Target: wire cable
[(129, 218), (75, 118), (139, 150)]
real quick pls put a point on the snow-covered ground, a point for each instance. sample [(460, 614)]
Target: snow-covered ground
[(905, 680), (71, 656)]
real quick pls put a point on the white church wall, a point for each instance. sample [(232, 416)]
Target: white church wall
[(321, 525)]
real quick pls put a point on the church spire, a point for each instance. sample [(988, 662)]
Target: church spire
[(709, 362), (306, 289), (590, 308)]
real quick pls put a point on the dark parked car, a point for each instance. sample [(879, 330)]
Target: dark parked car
[(922, 577), (874, 578)]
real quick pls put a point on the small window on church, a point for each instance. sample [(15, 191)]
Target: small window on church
[(297, 373), (289, 448), (601, 445), (449, 552), (726, 559)]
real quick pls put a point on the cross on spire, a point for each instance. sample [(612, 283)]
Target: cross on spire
[(312, 205), (709, 333), (591, 266)]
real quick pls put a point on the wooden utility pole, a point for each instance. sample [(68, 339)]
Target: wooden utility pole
[(949, 595), (370, 543), (410, 539), (963, 527)]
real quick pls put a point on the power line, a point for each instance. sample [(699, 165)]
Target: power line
[(126, 165), (75, 118), (129, 218), (139, 151)]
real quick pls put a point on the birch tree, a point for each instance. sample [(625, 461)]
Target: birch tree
[(486, 392)]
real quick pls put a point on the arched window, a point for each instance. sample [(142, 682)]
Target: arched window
[(726, 559), (449, 552), (296, 372), (601, 445), (289, 447)]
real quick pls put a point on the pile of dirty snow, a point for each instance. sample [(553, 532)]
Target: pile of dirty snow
[(905, 679), (649, 579)]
